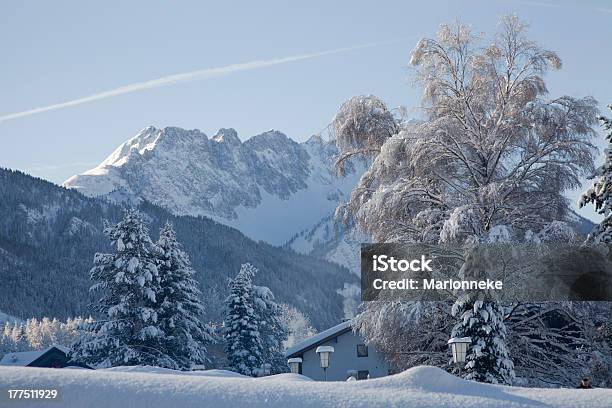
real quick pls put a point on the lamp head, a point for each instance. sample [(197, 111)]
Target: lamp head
[(459, 346), (324, 352)]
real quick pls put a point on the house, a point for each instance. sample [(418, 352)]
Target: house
[(351, 356), (51, 357)]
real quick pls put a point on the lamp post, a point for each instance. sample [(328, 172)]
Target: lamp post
[(294, 364), (324, 352), (459, 347)]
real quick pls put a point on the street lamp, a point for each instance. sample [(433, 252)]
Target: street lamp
[(294, 364), (324, 352), (459, 347)]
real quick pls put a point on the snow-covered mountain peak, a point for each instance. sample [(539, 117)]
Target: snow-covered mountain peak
[(147, 140), (269, 186), (229, 136), (315, 140), (271, 139), (144, 140)]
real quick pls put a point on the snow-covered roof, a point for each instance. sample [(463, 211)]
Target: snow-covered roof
[(318, 338), (24, 358)]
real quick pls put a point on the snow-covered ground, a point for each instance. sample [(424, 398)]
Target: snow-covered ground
[(153, 387)]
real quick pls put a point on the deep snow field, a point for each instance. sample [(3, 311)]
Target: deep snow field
[(150, 387)]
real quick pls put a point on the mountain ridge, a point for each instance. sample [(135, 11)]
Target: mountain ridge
[(268, 176)]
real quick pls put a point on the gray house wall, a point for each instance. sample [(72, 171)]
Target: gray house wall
[(343, 360)]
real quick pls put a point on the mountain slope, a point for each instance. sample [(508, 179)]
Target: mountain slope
[(257, 186), (332, 241), (48, 236), (4, 318)]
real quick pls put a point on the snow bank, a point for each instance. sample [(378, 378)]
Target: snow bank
[(148, 387), (161, 370)]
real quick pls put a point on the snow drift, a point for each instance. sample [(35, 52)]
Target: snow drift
[(151, 387)]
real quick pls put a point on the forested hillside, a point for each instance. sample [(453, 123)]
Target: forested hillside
[(49, 235)]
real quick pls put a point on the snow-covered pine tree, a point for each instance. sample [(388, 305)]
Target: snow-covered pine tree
[(600, 195), (33, 333), (127, 330), (482, 319), (243, 346), (600, 192), (181, 306), (6, 342), (18, 337), (272, 328), (38, 334)]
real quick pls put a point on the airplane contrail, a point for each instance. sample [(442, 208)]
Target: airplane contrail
[(184, 77)]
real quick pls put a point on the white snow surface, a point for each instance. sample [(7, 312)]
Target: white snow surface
[(417, 387), (162, 370)]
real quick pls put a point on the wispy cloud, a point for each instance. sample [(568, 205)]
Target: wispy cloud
[(202, 74)]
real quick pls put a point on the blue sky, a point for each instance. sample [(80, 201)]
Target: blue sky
[(53, 52)]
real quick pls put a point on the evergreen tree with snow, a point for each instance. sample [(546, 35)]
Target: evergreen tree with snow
[(33, 333), (273, 329), (38, 334), (600, 192), (127, 331), (482, 319), (7, 343), (243, 345), (181, 307), (18, 337)]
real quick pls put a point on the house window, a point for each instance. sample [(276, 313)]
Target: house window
[(363, 374), (295, 364), (362, 350)]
